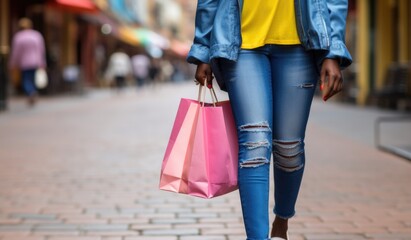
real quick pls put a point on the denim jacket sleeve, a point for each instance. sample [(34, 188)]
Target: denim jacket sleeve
[(338, 14), (205, 14)]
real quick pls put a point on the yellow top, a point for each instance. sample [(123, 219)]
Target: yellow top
[(268, 22)]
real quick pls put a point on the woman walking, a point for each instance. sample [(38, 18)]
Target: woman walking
[(269, 56), (27, 55)]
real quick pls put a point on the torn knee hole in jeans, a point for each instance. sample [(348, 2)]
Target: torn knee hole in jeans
[(254, 162), (287, 155), (307, 85), (256, 127), (286, 144), (254, 145), (288, 163)]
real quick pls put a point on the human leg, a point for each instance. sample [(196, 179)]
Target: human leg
[(294, 80), (139, 81), (28, 85), (249, 87), (28, 81), (120, 82)]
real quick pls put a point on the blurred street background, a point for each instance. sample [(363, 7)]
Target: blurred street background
[(83, 163)]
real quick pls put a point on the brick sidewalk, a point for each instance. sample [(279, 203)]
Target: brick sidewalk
[(87, 169)]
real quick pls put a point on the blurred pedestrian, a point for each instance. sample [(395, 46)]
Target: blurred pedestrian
[(141, 66), (267, 60), (119, 68), (28, 55), (167, 70), (154, 71)]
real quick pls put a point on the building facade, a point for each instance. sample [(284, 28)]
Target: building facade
[(382, 45)]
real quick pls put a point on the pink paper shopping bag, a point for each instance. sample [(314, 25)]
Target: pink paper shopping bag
[(201, 156)]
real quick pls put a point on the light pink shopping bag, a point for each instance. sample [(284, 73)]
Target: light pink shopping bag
[(178, 153), (201, 156)]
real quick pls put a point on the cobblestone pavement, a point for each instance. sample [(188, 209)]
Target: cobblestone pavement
[(87, 168)]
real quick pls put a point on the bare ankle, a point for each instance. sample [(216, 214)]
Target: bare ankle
[(279, 227)]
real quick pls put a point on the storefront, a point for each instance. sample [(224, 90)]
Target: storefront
[(383, 40), (4, 50), (81, 34), (57, 21)]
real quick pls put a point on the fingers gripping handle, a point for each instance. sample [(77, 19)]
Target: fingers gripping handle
[(202, 95)]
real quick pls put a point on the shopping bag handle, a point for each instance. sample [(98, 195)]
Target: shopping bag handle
[(201, 95)]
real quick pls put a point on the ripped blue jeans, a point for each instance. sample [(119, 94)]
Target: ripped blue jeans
[(271, 89)]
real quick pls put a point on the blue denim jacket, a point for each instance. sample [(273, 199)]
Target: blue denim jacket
[(320, 25)]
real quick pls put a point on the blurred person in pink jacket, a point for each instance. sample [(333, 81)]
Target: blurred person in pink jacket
[(28, 55)]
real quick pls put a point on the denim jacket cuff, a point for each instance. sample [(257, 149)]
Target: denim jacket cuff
[(339, 51), (198, 53)]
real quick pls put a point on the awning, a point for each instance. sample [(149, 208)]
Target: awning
[(180, 48), (126, 34), (144, 37), (102, 4), (78, 6), (121, 10), (148, 37)]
